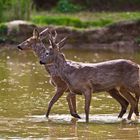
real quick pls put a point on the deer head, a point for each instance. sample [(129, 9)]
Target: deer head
[(33, 41), (54, 50)]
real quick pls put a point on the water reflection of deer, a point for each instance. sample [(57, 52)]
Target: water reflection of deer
[(62, 130), (126, 131), (36, 44)]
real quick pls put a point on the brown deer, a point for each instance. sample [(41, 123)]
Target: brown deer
[(87, 78), (35, 43)]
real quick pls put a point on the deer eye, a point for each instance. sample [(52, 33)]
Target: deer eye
[(47, 53), (28, 41)]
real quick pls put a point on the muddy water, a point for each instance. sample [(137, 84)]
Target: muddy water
[(25, 92)]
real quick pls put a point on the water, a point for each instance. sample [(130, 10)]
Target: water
[(25, 92)]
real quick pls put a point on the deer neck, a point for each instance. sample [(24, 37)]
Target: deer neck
[(60, 62), (52, 70), (63, 66), (39, 51)]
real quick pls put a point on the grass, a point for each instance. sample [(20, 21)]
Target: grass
[(69, 21), (83, 19), (3, 32)]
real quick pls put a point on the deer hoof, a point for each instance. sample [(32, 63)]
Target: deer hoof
[(76, 115), (47, 115)]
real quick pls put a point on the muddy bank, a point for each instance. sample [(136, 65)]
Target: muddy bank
[(119, 37)]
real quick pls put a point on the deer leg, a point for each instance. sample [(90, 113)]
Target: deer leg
[(136, 91), (71, 99), (123, 102), (87, 95), (73, 103), (136, 109), (58, 94), (130, 99)]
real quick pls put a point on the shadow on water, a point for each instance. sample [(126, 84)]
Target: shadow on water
[(25, 92)]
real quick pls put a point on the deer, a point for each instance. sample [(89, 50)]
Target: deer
[(88, 78), (35, 43)]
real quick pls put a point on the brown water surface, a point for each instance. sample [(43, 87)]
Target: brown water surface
[(25, 92)]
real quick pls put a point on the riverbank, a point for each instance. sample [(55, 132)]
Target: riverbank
[(119, 37), (82, 20)]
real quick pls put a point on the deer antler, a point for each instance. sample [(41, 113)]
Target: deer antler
[(44, 33), (62, 42), (52, 38)]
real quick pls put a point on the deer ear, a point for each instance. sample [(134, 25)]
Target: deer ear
[(62, 43), (36, 34), (44, 34)]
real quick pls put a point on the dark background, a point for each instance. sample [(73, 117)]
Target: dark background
[(94, 5)]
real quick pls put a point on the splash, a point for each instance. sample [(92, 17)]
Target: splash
[(96, 119)]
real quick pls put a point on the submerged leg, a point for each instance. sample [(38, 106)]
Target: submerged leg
[(58, 94), (130, 99), (136, 109), (136, 91), (71, 99), (123, 102), (87, 95)]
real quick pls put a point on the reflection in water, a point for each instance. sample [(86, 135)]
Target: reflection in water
[(25, 92)]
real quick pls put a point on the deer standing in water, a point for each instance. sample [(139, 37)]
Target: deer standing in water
[(35, 43), (88, 78)]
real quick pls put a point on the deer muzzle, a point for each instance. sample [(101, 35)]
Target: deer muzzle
[(19, 47), (42, 63)]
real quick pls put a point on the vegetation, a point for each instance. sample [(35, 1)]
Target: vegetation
[(3, 29), (92, 5), (15, 9), (83, 19), (68, 21), (65, 6), (66, 12), (3, 32)]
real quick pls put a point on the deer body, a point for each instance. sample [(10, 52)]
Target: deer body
[(101, 76), (60, 80), (88, 78)]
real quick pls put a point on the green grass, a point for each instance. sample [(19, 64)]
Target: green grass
[(69, 21), (3, 32), (83, 19)]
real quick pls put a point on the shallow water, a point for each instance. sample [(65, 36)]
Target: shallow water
[(25, 92)]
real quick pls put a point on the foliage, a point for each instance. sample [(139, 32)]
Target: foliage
[(137, 40), (69, 21), (3, 29), (3, 6), (92, 5), (3, 32), (20, 8), (83, 19), (15, 9), (68, 7)]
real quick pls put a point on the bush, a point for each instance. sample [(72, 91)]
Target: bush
[(65, 6), (56, 20), (137, 40), (15, 9), (3, 29), (3, 33), (69, 21)]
